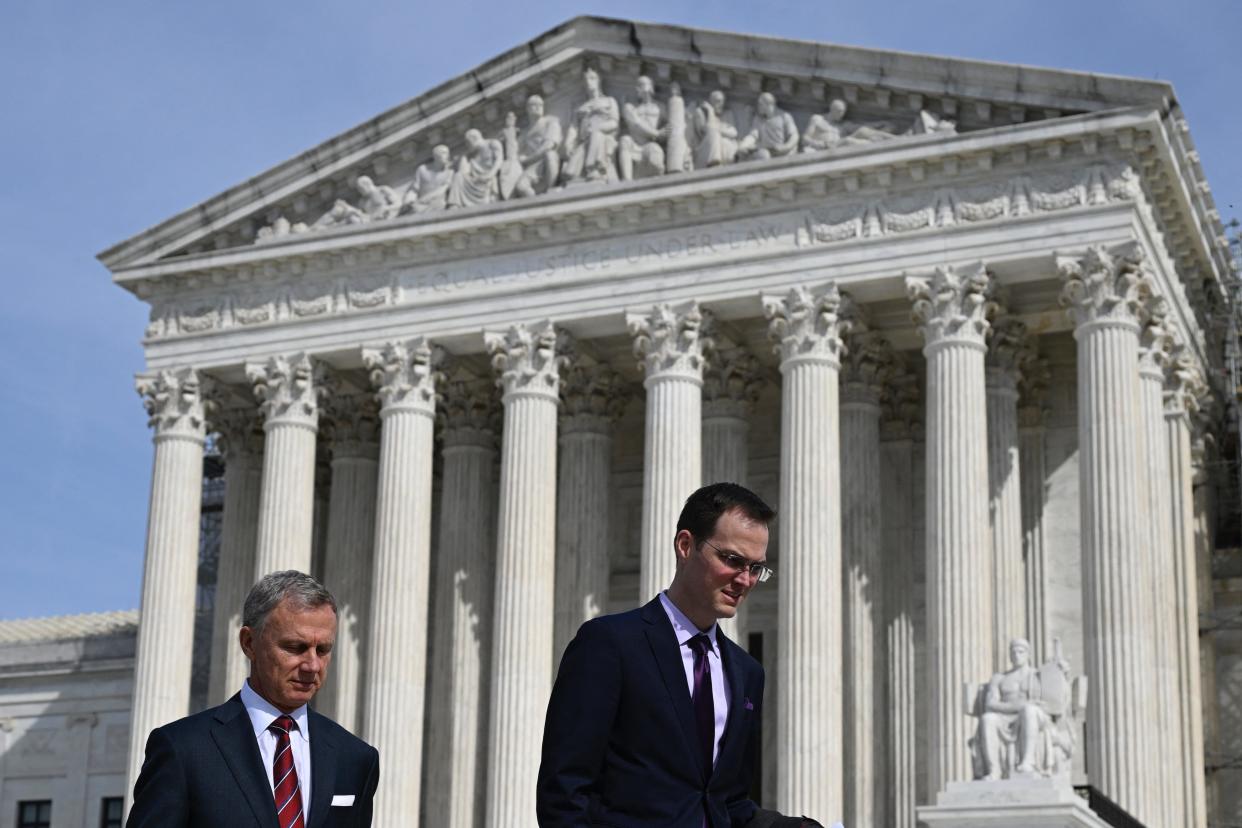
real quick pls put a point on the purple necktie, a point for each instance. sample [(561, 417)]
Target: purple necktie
[(704, 704)]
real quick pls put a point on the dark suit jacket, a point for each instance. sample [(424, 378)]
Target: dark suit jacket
[(619, 743), (206, 770)]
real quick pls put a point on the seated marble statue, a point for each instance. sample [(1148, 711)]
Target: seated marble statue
[(591, 141), (714, 139), (379, 201), (925, 123), (538, 151), (773, 132), (342, 214), (1023, 721), (825, 132), (477, 180), (641, 153), (429, 189)]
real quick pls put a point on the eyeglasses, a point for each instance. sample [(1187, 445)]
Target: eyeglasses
[(760, 572)]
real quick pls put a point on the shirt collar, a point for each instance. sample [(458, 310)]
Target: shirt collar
[(262, 713), (683, 627)]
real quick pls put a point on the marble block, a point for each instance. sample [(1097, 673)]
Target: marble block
[(1009, 803)]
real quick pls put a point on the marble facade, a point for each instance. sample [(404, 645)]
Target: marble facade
[(903, 297)]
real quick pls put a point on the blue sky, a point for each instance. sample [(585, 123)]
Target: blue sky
[(114, 116)]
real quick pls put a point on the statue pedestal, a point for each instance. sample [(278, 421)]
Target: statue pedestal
[(1010, 803)]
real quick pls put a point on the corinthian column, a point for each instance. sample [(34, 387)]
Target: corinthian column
[(1103, 290), (592, 399), (289, 389), (527, 360), (866, 368), (462, 634), (174, 401), (241, 441), (670, 343), (352, 423), (404, 373), (950, 308), (732, 382), (1031, 417), (901, 420), (1183, 388), (1004, 487), (807, 326)]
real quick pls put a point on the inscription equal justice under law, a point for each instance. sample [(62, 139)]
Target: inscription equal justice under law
[(622, 257)]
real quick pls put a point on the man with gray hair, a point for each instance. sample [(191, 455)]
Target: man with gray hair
[(252, 761)]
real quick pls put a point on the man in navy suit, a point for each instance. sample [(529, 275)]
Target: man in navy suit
[(654, 717), (263, 759)]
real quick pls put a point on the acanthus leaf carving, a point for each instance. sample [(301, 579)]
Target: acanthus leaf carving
[(732, 382), (405, 374), (1105, 284), (528, 358), (592, 397), (289, 388), (952, 304), (177, 402), (807, 324), (672, 340), (470, 412)]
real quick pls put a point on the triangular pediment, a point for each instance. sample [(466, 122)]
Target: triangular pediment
[(886, 96)]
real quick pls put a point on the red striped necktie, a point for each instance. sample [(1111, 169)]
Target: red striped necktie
[(286, 790)]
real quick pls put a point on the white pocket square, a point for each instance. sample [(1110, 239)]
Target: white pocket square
[(342, 799)]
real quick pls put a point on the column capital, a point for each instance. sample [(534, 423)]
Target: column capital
[(405, 374), (1034, 376), (867, 366), (732, 382), (469, 410), (592, 398), (671, 341), (1105, 286), (901, 416), (1184, 387), (289, 389), (952, 305), (1155, 338), (1007, 343), (807, 324), (529, 358), (177, 401), (351, 424), (239, 431)]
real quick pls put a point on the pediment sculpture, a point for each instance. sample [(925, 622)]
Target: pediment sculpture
[(603, 142), (1028, 717)]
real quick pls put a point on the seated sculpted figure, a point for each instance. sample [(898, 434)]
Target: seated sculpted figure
[(824, 132), (379, 201), (714, 141), (641, 153), (1023, 725), (429, 189), (538, 150), (477, 180), (591, 141), (773, 132)]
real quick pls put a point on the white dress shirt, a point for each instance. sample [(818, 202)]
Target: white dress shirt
[(262, 714), (685, 630)]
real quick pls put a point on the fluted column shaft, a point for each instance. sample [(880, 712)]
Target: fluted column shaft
[(863, 649), (405, 376), (243, 474), (1103, 290), (1031, 461), (1005, 511), (960, 604), (348, 551), (461, 646), (525, 564), (670, 345), (808, 327), (289, 389), (1179, 403), (170, 566)]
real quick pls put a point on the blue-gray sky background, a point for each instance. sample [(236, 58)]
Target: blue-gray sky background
[(116, 115)]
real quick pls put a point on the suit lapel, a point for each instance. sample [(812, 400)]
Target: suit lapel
[(737, 689), (234, 736), (667, 654), (323, 769)]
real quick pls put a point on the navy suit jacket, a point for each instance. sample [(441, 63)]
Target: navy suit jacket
[(620, 741), (206, 770)]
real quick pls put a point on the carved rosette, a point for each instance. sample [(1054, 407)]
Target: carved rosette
[(952, 305), (405, 375), (289, 389), (351, 424), (177, 403), (732, 382), (901, 415), (1007, 341), (528, 358), (1155, 338), (807, 325), (470, 413), (867, 366), (239, 432), (1105, 286), (592, 398), (671, 341)]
